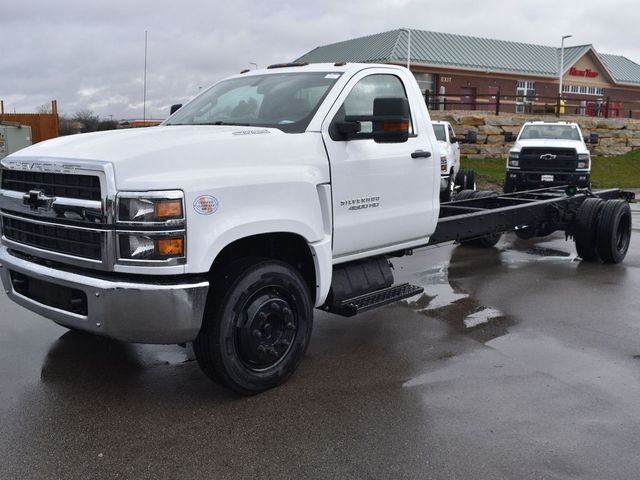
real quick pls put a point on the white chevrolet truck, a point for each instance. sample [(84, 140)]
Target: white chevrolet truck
[(449, 160), (273, 192), (549, 153)]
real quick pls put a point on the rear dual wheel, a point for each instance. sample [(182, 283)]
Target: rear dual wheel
[(466, 180), (602, 230)]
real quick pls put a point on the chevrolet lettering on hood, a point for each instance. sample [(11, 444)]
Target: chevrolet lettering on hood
[(40, 167)]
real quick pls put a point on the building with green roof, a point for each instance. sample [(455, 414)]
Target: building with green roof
[(476, 73)]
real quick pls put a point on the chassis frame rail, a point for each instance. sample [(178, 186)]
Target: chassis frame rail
[(545, 210)]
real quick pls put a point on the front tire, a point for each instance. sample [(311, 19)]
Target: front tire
[(256, 327)]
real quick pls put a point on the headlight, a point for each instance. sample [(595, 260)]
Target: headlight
[(140, 246), (584, 160), (443, 163), (514, 160), (163, 207)]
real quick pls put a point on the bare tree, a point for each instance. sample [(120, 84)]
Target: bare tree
[(44, 108), (88, 120)]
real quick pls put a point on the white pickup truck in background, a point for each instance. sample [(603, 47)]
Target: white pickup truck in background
[(272, 192)]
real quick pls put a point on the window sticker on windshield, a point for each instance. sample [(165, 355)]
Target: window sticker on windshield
[(332, 75)]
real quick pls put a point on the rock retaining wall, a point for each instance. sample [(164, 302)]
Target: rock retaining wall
[(616, 136)]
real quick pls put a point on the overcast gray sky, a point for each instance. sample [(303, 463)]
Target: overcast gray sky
[(90, 55)]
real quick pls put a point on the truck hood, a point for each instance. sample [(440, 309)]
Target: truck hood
[(542, 143), (157, 157)]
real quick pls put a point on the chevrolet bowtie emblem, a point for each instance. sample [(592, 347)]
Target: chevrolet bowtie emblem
[(36, 199), (548, 156)]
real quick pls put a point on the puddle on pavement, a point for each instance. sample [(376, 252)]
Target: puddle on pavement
[(455, 306), (444, 298)]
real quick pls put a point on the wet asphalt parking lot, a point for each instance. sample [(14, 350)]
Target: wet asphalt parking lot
[(519, 362)]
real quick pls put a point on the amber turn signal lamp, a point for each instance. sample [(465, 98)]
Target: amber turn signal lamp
[(170, 247)]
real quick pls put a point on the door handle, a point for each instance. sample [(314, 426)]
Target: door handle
[(420, 154)]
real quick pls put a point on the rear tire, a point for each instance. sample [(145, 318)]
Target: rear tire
[(585, 228), (256, 326), (459, 180), (465, 195), (613, 231), (470, 180)]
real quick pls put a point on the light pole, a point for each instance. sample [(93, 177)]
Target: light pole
[(408, 46), (562, 62)]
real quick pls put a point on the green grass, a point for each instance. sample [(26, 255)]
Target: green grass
[(607, 172)]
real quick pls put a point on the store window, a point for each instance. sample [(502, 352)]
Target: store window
[(583, 90), (426, 81), (525, 91)]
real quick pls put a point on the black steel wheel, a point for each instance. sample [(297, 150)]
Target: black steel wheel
[(613, 232), (256, 328), (470, 180), (584, 232)]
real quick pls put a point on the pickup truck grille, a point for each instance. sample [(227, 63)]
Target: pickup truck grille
[(75, 242), (532, 159), (84, 187)]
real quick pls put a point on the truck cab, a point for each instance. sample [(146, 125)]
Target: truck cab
[(449, 158), (272, 192), (548, 154)]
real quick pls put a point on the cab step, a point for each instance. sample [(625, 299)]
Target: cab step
[(369, 301)]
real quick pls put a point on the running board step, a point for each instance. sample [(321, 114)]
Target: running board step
[(363, 303)]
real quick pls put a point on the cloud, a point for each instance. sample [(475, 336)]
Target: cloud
[(90, 55)]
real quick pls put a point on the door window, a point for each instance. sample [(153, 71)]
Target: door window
[(360, 99)]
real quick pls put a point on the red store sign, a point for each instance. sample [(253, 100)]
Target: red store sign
[(582, 73)]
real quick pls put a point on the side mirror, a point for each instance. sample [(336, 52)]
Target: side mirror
[(593, 138), (175, 108), (453, 140), (472, 136), (390, 122), (508, 136)]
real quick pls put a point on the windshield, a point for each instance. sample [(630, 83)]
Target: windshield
[(553, 132), (440, 132), (286, 101)]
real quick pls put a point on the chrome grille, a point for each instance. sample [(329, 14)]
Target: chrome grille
[(84, 187)]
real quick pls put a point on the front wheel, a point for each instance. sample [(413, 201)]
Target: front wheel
[(256, 328)]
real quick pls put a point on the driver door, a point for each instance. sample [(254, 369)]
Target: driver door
[(383, 197)]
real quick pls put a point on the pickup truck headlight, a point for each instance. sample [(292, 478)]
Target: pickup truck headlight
[(443, 164), (151, 208), (514, 160), (584, 161), (140, 246)]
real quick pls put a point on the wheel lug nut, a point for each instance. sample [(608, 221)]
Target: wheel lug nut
[(256, 333), (262, 316), (262, 349), (286, 311), (273, 352), (285, 342), (275, 307), (290, 326)]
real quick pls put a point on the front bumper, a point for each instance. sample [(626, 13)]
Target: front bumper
[(528, 179), (160, 309)]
